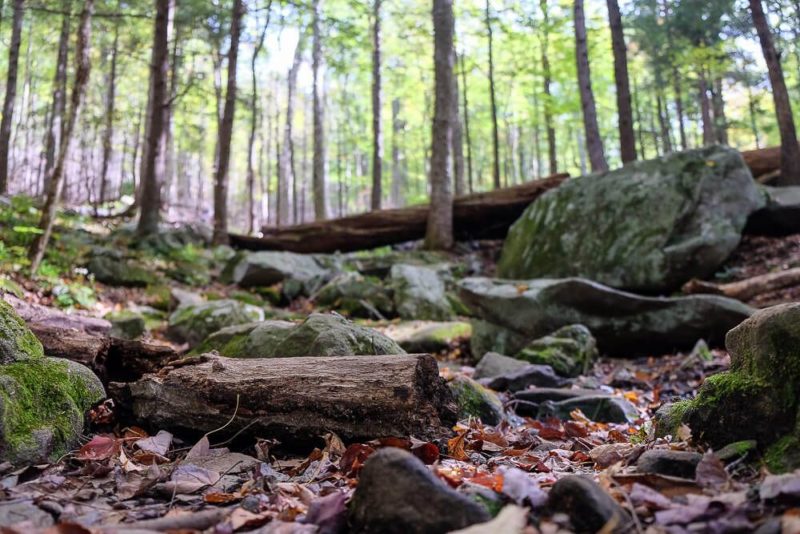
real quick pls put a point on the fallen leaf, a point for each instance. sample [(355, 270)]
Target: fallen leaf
[(511, 520), (101, 447), (354, 457), (329, 513), (188, 478), (158, 444)]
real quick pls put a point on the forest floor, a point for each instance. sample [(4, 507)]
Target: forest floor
[(157, 481)]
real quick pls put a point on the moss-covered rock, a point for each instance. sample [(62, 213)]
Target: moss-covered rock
[(318, 335), (570, 350), (420, 293), (301, 271), (42, 400), (758, 398), (192, 324), (474, 400), (109, 268), (126, 324), (649, 226), (422, 336), (357, 296)]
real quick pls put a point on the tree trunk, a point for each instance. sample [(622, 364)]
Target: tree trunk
[(398, 182), (493, 100), (466, 123), (594, 143), (251, 175), (751, 107), (458, 139), (790, 152), (285, 165), (627, 141), (749, 288), (11, 94), (55, 125), (377, 89), (663, 120), (439, 234), (54, 186), (548, 100), (319, 178), (676, 88), (226, 131), (296, 399), (705, 109), (720, 121), (108, 135), (155, 140), (477, 216)]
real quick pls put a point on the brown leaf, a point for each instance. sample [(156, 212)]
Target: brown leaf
[(711, 472), (101, 447), (455, 447), (354, 457)]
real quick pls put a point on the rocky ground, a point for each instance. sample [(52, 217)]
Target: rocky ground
[(282, 393)]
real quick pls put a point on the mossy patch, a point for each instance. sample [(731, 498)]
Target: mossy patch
[(569, 350), (784, 454), (474, 400), (17, 342)]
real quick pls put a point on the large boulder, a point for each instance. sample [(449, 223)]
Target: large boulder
[(42, 400), (420, 293), (649, 226), (758, 397), (269, 268), (192, 324), (511, 314), (319, 335)]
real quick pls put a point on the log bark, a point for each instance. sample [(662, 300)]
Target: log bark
[(749, 288), (296, 399), (763, 161), (477, 216)]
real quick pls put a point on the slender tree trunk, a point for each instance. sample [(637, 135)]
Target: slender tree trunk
[(663, 122), (547, 80), (377, 97), (705, 109), (678, 95), (466, 123), (152, 174), (251, 177), (11, 94), (439, 234), (397, 171), (54, 185), (137, 138), (108, 135), (170, 169), (751, 106), (226, 130), (319, 178), (285, 165), (493, 100), (720, 121), (458, 140), (627, 141), (790, 151), (594, 143)]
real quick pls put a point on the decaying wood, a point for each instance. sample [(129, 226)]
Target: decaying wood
[(476, 216), (295, 399), (42, 315), (112, 359), (745, 290), (764, 161)]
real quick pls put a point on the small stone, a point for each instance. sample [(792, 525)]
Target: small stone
[(474, 400), (681, 464), (589, 508), (530, 375), (397, 494), (494, 364)]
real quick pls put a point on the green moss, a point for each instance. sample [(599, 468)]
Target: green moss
[(43, 395), (17, 342), (784, 454), (718, 388), (474, 400)]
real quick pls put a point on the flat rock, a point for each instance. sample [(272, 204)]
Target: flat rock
[(649, 226), (560, 403), (269, 268), (511, 314), (526, 377), (397, 494), (37, 314), (667, 462)]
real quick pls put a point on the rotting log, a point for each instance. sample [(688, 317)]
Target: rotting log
[(749, 288), (295, 399), (477, 216), (763, 161), (111, 359)]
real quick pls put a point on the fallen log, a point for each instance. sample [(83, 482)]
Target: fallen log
[(110, 358), (477, 216), (749, 288), (295, 399), (763, 161)]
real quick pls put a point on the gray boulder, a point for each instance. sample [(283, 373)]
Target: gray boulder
[(397, 494), (193, 323), (511, 314), (419, 293), (649, 226), (269, 268), (319, 335)]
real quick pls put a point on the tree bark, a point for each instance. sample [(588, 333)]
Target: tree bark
[(377, 97), (439, 233), (467, 138), (155, 140), (458, 139), (627, 141), (55, 125), (254, 111), (296, 399), (594, 143), (319, 178), (477, 216), (493, 100), (548, 99), (790, 152), (108, 134), (398, 174), (285, 164), (720, 121), (11, 94), (705, 109), (226, 130), (56, 180)]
